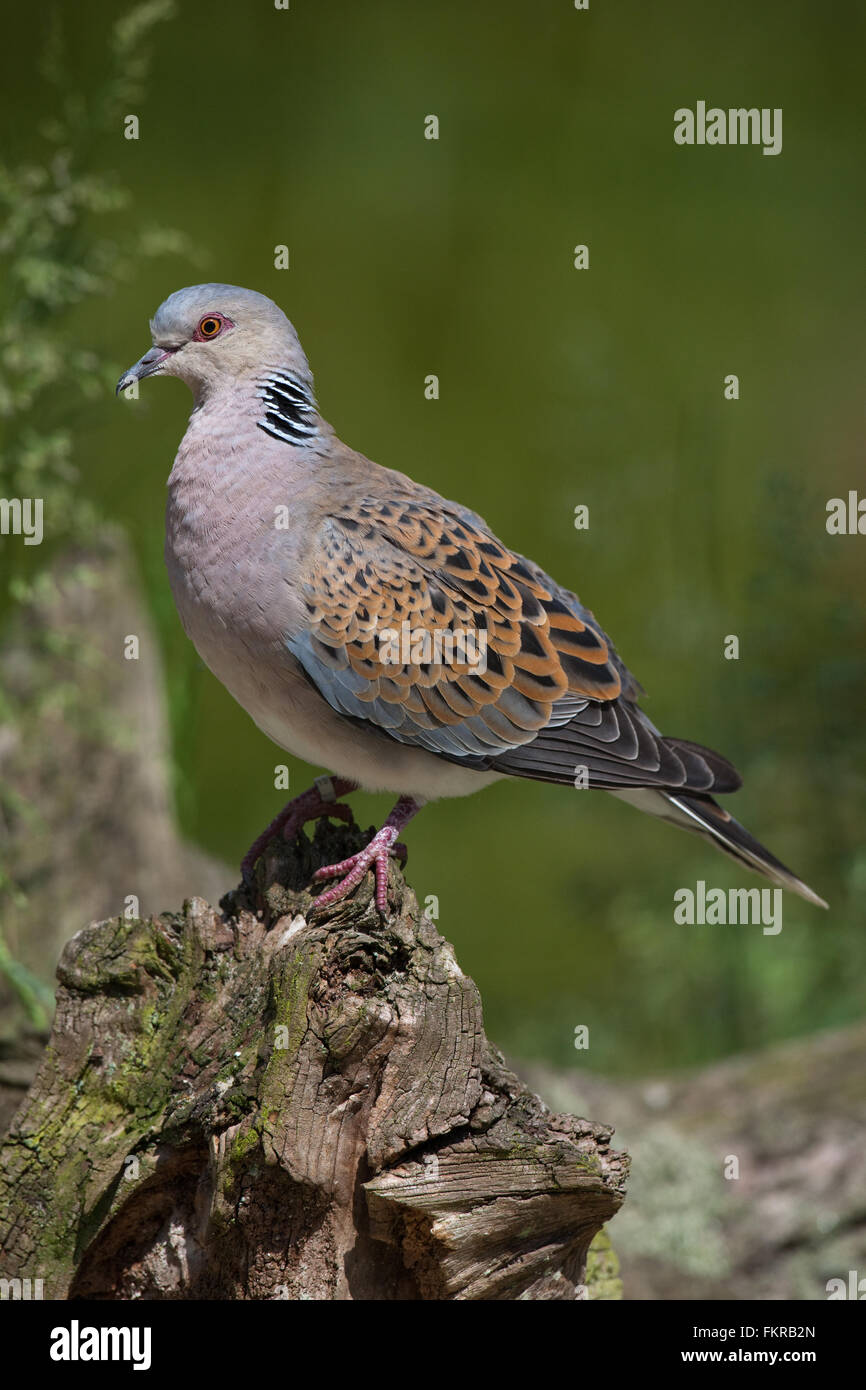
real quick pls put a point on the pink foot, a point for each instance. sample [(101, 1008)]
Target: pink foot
[(376, 855), (320, 800)]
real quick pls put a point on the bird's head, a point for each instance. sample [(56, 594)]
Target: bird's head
[(215, 336)]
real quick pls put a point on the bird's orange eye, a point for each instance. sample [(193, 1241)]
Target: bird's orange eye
[(210, 327)]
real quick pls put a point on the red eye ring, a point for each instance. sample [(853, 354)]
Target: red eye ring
[(209, 327)]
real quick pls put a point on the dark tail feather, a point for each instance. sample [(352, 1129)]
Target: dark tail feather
[(704, 816)]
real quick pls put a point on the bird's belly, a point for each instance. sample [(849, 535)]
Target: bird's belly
[(281, 701)]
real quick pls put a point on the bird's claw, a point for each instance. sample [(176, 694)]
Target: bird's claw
[(311, 805), (376, 855)]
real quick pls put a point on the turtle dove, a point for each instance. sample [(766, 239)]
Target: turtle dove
[(372, 627)]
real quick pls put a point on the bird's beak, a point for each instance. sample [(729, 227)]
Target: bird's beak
[(145, 366)]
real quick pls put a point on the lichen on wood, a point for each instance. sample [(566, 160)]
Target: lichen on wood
[(275, 1100)]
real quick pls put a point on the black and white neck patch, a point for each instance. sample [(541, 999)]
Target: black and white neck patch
[(290, 411)]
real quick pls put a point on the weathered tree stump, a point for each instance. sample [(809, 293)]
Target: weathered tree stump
[(280, 1101)]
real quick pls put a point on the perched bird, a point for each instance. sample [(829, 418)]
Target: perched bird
[(372, 627)]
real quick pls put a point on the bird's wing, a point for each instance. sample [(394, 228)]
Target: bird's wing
[(425, 626)]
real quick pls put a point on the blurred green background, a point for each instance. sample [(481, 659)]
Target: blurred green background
[(707, 517)]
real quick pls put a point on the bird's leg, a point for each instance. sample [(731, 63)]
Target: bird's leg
[(320, 800), (376, 853)]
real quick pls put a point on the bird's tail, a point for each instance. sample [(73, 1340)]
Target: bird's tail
[(707, 818)]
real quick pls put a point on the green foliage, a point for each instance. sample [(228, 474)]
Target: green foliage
[(603, 1282), (34, 995), (54, 256)]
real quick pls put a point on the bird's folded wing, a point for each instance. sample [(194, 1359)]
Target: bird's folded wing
[(424, 626)]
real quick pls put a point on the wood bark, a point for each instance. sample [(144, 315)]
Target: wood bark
[(279, 1101)]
